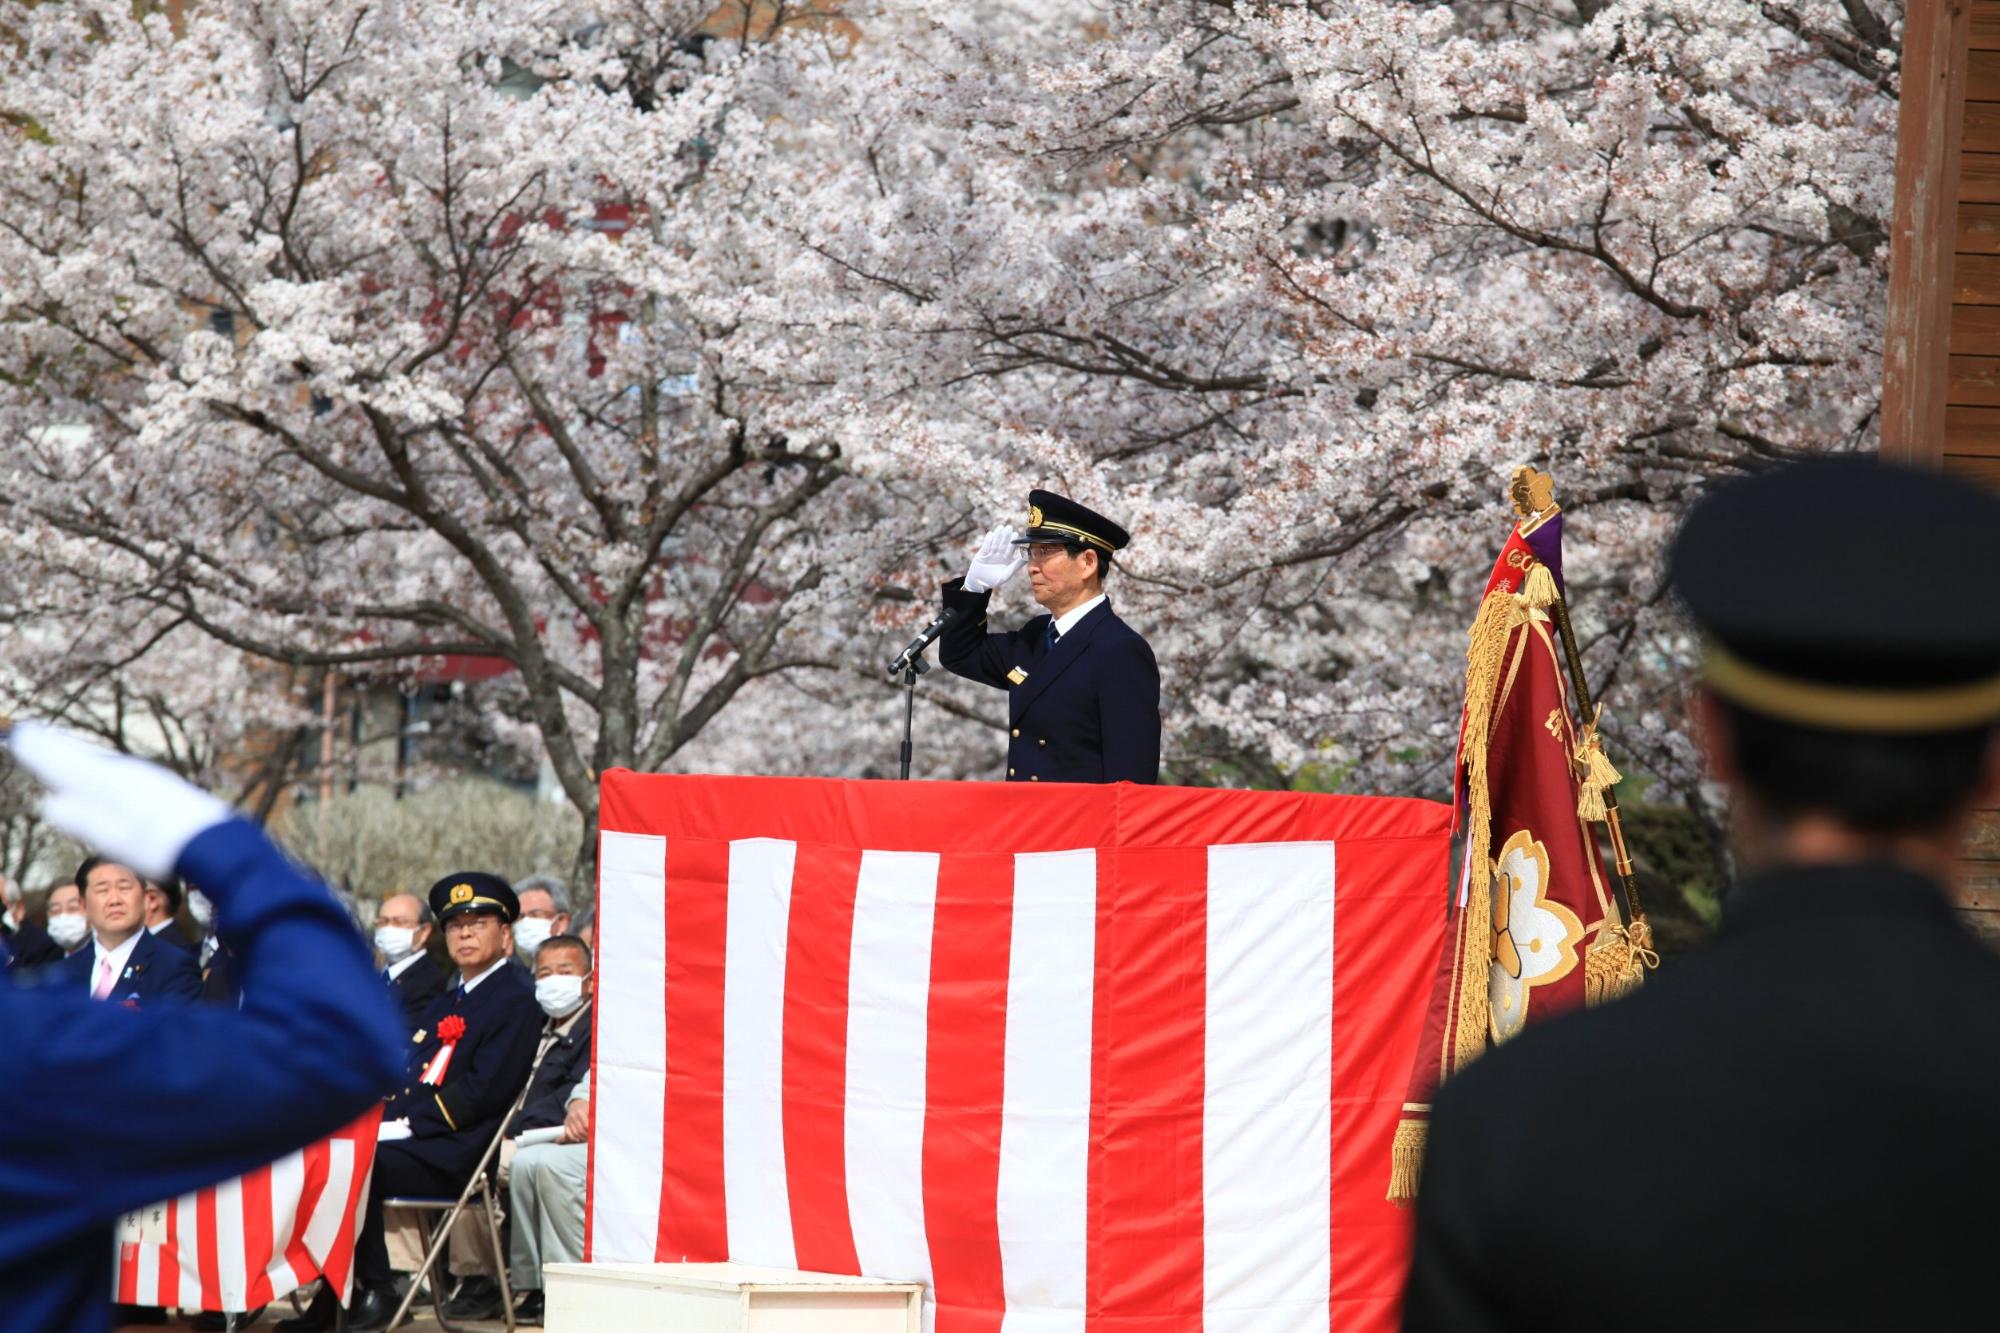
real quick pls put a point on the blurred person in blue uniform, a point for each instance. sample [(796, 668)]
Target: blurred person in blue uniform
[(313, 1046), (466, 1064), (1083, 690), (127, 963)]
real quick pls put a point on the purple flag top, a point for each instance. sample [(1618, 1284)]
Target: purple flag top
[(1547, 544)]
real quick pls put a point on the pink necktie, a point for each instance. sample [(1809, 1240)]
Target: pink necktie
[(103, 987)]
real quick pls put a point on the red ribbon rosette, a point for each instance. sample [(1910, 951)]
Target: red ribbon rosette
[(451, 1028)]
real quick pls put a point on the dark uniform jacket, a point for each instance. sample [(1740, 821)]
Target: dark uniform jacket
[(451, 1124), (155, 973), (1086, 711), (109, 1110), (1795, 1128), (418, 987), (562, 1068)]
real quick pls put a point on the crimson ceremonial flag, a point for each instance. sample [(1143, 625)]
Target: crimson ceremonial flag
[(1536, 928), (1112, 1059), (246, 1242)]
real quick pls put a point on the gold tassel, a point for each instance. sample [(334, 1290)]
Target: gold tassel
[(1598, 775), (1406, 1159), (1486, 657), (1618, 960), (1539, 588)]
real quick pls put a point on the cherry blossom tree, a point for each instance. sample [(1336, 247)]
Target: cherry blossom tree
[(673, 362)]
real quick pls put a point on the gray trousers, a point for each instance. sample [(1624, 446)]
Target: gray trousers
[(546, 1190)]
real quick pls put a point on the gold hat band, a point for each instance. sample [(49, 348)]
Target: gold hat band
[(1093, 539), (472, 903), (1848, 708)]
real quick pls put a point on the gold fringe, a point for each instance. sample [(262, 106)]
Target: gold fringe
[(1485, 658), (1406, 1160), (1618, 960), (1539, 588)]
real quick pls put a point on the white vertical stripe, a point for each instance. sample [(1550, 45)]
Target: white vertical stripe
[(229, 1259), (755, 1193), (288, 1183), (329, 1210), (1267, 1117), (1045, 1120), (187, 1235), (888, 1010), (630, 1091), (147, 1266)]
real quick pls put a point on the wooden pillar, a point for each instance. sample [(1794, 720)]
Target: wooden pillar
[(1916, 371)]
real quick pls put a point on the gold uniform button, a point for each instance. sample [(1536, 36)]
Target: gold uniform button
[(1017, 733), (1043, 741), (1036, 778), (1010, 772)]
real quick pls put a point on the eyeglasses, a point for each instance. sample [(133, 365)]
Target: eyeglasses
[(1044, 551)]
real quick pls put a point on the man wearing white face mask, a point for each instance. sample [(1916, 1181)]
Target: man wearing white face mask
[(545, 909), (562, 1060), (69, 927), (22, 942), (402, 929)]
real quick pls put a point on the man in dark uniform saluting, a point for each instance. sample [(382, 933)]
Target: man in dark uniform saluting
[(1083, 691), (1797, 1127)]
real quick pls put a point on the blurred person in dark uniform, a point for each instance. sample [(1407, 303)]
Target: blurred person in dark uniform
[(126, 962), (109, 1109), (1798, 1126), (467, 1063), (402, 936), (1083, 690)]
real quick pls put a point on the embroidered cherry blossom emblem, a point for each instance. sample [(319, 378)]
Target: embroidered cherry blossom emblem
[(1534, 938)]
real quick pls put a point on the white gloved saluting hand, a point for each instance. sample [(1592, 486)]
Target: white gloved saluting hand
[(996, 561), (132, 811)]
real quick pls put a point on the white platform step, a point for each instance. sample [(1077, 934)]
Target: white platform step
[(724, 1298)]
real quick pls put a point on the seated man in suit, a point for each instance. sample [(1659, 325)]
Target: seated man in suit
[(163, 905), (22, 942), (562, 989), (402, 930), (468, 1062), (127, 963), (68, 926)]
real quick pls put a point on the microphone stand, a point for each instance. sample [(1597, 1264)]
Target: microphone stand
[(910, 664)]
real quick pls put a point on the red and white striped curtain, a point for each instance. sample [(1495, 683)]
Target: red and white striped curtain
[(1080, 1058), (254, 1239)]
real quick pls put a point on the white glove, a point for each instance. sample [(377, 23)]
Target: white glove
[(132, 811), (391, 1130), (996, 561)]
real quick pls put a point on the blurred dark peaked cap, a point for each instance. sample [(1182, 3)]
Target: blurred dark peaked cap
[(1056, 518), (473, 891), (1849, 595)]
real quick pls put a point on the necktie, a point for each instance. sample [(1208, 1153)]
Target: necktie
[(102, 989), (1049, 637)]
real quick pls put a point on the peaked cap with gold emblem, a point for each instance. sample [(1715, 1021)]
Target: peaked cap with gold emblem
[(473, 891), (1057, 518)]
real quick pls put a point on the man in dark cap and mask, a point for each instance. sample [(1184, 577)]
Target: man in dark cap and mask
[(1794, 1127), (468, 1062), (1083, 691)]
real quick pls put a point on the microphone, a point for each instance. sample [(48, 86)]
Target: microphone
[(911, 659)]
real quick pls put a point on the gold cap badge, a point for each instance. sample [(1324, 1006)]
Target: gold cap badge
[(1034, 516), (461, 893)]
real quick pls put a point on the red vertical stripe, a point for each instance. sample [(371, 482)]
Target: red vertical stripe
[(312, 1185), (210, 1261), (128, 1273), (694, 1221), (1388, 910), (258, 1238), (965, 1071), (1144, 1266), (817, 942)]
